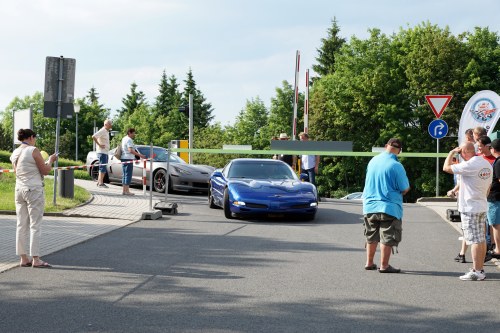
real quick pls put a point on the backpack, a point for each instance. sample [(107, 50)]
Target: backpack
[(118, 152)]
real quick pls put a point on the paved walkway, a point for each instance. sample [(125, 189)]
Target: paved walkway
[(107, 210)]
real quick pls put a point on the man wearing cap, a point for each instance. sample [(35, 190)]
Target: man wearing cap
[(475, 180), (386, 183), (288, 159)]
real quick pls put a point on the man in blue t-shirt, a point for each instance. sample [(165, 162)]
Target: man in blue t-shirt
[(386, 183)]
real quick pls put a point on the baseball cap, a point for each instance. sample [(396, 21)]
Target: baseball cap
[(396, 143)]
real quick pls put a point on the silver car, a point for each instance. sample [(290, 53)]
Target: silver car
[(182, 176)]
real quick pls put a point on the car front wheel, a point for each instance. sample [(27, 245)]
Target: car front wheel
[(159, 180), (211, 202), (227, 209)]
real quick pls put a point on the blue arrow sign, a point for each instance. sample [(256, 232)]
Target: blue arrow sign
[(438, 128)]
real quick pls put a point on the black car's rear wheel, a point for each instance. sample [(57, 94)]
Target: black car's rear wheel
[(227, 210), (159, 180)]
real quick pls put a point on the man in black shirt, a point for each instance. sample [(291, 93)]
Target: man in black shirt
[(494, 200), (288, 159)]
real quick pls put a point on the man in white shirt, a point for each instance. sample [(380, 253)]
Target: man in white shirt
[(475, 179), (309, 163), (101, 138)]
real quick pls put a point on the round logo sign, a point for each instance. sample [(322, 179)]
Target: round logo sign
[(483, 110)]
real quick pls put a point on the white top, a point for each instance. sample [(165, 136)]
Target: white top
[(127, 143), (308, 161), (475, 180), (102, 137), (27, 173)]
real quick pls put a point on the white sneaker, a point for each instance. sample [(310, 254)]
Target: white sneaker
[(473, 275)]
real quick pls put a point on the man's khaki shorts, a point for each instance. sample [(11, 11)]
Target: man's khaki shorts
[(383, 228)]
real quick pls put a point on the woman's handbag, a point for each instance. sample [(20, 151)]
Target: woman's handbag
[(118, 152)]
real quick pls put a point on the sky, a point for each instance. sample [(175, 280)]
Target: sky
[(238, 50)]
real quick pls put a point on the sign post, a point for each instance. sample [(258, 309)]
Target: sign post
[(438, 128), (58, 97)]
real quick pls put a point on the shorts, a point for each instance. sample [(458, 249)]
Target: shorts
[(383, 228), (494, 212), (128, 169), (474, 227), (103, 161)]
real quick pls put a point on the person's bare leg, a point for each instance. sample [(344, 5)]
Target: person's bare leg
[(463, 249), (24, 259), (126, 189), (371, 248), (385, 255), (496, 237), (478, 253), (100, 179)]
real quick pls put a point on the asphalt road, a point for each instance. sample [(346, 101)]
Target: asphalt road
[(198, 272)]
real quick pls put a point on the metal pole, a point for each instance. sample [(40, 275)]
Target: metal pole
[(151, 177), (14, 136), (296, 95), (437, 169), (58, 123), (93, 131), (190, 127), (306, 104), (168, 168), (76, 139)]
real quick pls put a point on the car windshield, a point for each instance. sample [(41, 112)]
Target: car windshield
[(160, 155), (260, 170)]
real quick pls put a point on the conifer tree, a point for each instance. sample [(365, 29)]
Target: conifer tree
[(330, 46), (202, 111), (132, 101)]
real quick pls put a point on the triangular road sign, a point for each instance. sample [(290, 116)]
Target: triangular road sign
[(438, 103)]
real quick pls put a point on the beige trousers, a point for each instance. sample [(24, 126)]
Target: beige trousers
[(30, 205)]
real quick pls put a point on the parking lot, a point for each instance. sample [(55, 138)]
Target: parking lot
[(199, 272)]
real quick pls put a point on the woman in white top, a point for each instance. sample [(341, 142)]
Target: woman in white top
[(29, 196), (128, 156)]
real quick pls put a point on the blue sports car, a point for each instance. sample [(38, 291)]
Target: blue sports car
[(247, 187)]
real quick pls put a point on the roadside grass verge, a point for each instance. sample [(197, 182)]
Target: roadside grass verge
[(8, 184)]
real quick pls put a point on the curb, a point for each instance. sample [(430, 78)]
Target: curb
[(436, 199)]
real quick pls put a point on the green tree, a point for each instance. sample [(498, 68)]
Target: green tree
[(482, 72), (213, 136), (330, 47), (132, 101), (169, 97), (281, 111), (250, 123), (202, 110), (92, 115), (142, 119), (434, 62)]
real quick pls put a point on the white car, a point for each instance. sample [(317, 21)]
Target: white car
[(182, 176), (357, 196)]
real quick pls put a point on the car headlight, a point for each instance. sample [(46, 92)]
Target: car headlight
[(313, 204), (181, 171), (239, 203)]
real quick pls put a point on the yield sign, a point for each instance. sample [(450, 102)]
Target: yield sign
[(438, 103)]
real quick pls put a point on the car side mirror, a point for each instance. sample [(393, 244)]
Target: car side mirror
[(217, 173)]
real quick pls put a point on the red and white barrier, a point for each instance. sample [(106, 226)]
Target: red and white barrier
[(296, 95), (84, 166)]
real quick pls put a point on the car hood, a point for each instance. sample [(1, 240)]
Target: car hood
[(205, 169), (271, 186)]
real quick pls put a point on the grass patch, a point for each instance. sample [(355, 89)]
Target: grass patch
[(8, 184)]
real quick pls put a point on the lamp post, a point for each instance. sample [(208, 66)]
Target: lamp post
[(77, 110)]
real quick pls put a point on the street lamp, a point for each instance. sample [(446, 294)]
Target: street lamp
[(77, 110)]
